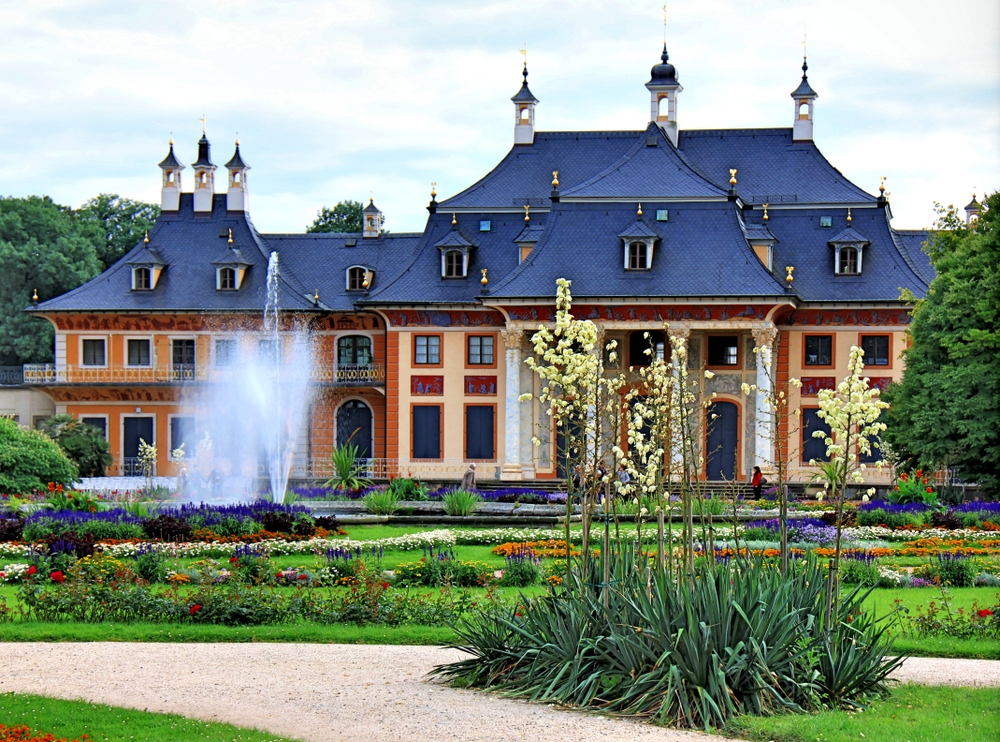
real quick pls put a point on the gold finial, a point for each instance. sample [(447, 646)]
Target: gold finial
[(368, 280), (204, 123), (555, 178), (524, 54), (231, 239), (848, 214), (638, 211), (434, 191), (484, 280), (766, 217), (316, 297), (454, 221), (145, 240), (732, 176), (789, 269), (171, 139), (34, 296), (237, 139), (527, 214), (805, 37), (881, 185)]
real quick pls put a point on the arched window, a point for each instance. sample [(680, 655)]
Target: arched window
[(142, 279), (847, 260), (663, 108), (202, 178), (227, 279), (354, 350), (454, 264), (803, 110), (525, 115), (356, 278), (638, 256), (638, 344)]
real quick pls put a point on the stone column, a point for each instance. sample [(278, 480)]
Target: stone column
[(511, 468), (764, 429)]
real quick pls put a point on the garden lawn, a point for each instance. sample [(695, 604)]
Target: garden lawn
[(884, 599), (73, 719), (913, 713)]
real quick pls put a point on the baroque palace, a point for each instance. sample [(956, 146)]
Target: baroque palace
[(735, 238)]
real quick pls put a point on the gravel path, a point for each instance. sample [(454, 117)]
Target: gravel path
[(316, 692), (324, 692)]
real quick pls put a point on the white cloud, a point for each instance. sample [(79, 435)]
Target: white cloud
[(334, 100)]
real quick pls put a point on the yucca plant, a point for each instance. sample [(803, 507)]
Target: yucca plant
[(346, 474), (381, 502), (739, 638), (461, 502)]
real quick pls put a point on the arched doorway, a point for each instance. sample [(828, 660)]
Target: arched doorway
[(354, 426), (722, 440)]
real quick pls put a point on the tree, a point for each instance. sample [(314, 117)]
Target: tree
[(344, 217), (43, 246), (946, 409), (122, 222), (83, 444), (29, 460)]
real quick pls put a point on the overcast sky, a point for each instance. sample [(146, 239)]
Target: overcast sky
[(339, 100)]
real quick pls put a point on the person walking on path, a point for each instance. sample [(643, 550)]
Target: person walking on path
[(469, 480), (757, 481)]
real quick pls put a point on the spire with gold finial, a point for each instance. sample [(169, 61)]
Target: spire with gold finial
[(766, 217), (527, 213), (230, 237), (484, 280), (432, 206), (849, 217), (789, 269), (638, 211), (454, 219), (524, 107), (145, 240)]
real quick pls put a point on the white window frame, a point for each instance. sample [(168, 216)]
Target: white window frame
[(152, 346), (215, 356), (107, 351), (836, 259), (649, 253), (218, 278), (465, 263), (170, 435), (347, 278), (137, 268)]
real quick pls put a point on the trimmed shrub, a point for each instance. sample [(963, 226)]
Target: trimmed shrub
[(29, 460)]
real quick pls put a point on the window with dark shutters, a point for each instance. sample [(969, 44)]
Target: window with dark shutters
[(426, 432), (479, 432), (813, 448)]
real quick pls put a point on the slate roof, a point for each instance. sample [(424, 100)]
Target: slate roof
[(204, 153), (170, 160), (701, 252), (848, 235), (912, 242), (804, 89), (236, 162), (771, 167), (524, 95)]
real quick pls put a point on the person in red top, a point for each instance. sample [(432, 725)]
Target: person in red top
[(757, 481)]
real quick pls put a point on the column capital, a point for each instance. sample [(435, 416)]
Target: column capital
[(679, 331), (512, 338), (764, 336)]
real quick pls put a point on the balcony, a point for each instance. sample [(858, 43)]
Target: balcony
[(11, 376), (49, 374)]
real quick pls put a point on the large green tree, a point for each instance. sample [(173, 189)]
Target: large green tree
[(43, 246), (344, 217), (29, 460), (83, 444), (946, 409), (122, 222)]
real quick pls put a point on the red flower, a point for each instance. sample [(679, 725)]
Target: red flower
[(32, 570), (984, 613), (194, 609), (234, 560), (57, 576), (303, 577), (385, 585), (920, 472), (279, 575), (930, 490)]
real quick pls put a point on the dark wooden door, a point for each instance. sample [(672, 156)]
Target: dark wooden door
[(723, 437), (354, 426), (135, 428)]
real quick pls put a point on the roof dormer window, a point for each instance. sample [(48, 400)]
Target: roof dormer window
[(454, 264), (848, 260), (225, 279), (142, 279), (639, 255), (848, 251), (355, 278), (638, 241)]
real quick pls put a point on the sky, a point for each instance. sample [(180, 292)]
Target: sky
[(347, 100)]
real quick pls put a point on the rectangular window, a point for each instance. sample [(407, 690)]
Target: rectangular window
[(479, 432), (101, 423), (182, 434), (426, 431), (93, 353), (638, 256), (723, 350), (182, 359), (813, 448), (662, 215), (818, 350), (876, 348), (225, 351), (138, 352), (480, 350), (427, 349)]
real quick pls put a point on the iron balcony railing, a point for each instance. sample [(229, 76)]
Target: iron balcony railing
[(177, 373), (11, 376), (392, 468)]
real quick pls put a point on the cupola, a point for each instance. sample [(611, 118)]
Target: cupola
[(972, 210), (204, 177), (803, 95), (170, 194), (663, 89), (237, 197), (524, 112), (371, 219)]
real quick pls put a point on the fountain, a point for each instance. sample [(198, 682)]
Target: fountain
[(253, 412)]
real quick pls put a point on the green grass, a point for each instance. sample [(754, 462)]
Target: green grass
[(946, 646), (72, 719), (302, 632), (883, 600), (912, 714)]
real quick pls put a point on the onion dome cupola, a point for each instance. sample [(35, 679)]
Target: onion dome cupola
[(204, 176), (803, 95), (170, 193), (972, 210), (237, 197), (371, 219), (524, 112), (663, 89)]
